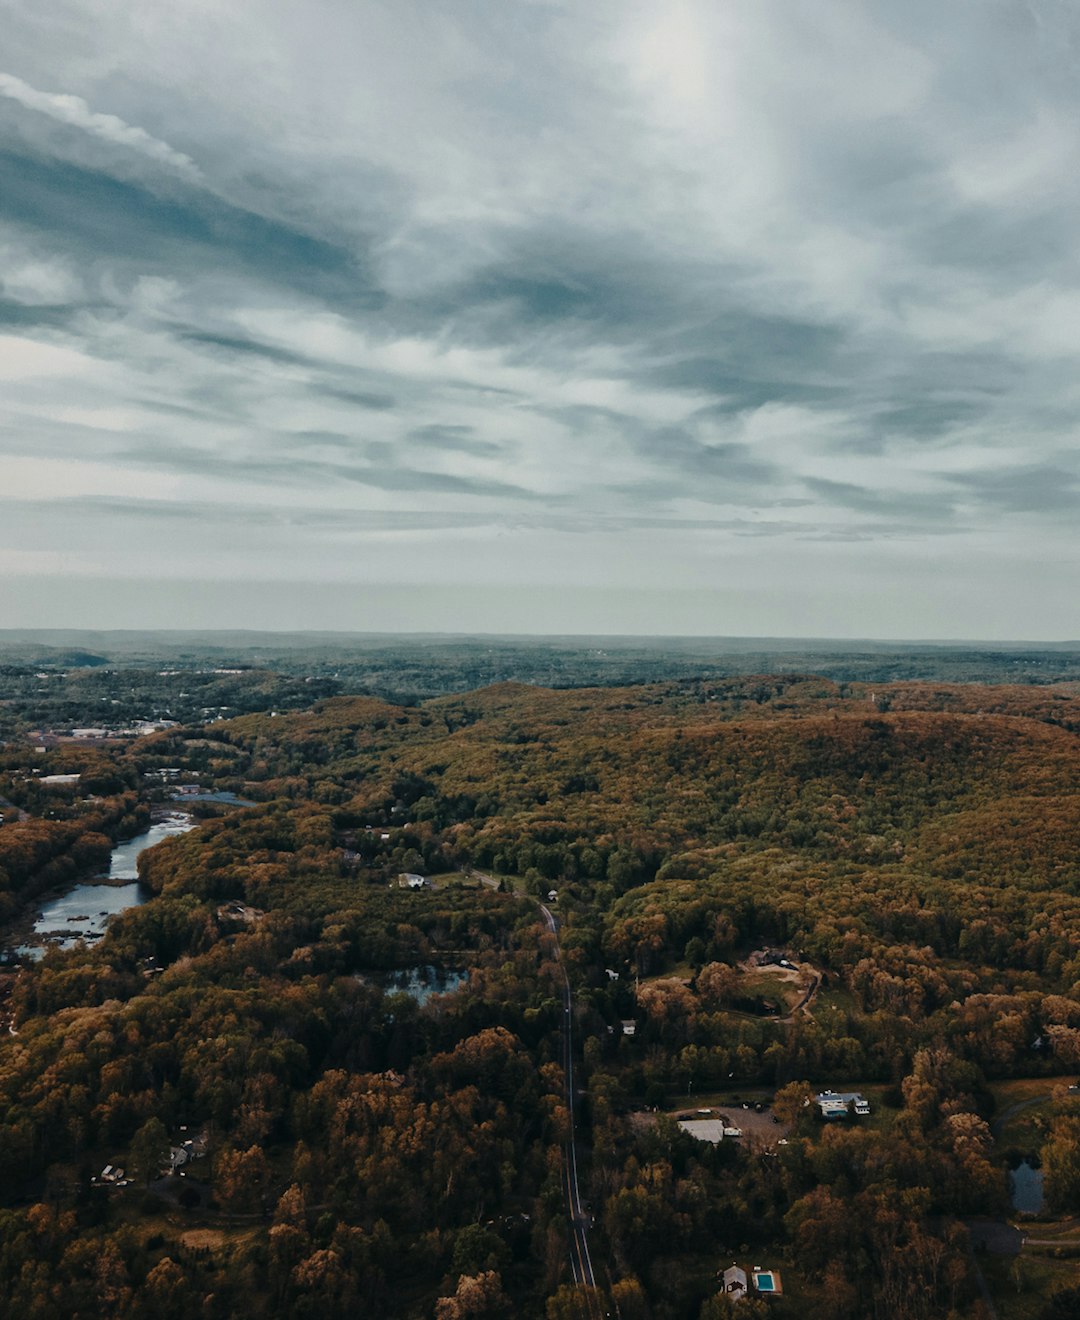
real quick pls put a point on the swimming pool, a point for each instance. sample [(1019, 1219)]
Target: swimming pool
[(765, 1282)]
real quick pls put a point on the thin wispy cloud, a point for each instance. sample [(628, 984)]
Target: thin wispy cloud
[(73, 110)]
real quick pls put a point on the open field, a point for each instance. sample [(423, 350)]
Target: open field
[(1023, 1285)]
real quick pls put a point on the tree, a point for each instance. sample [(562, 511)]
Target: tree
[(1061, 1164), (571, 1303), (150, 1149), (793, 1102), (477, 1297), (241, 1179), (630, 1300), (723, 1307), (477, 1249), (166, 1294)]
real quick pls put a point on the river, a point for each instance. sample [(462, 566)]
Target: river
[(83, 912)]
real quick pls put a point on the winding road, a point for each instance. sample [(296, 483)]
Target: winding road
[(580, 1260)]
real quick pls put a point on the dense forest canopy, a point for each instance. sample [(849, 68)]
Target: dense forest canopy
[(766, 886)]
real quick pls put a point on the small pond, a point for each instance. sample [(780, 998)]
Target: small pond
[(1026, 1185), (423, 981), (82, 913)]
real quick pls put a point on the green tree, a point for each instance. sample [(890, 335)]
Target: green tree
[(150, 1150)]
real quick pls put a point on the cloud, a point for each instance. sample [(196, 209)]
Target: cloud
[(1026, 488), (601, 295), (74, 111)]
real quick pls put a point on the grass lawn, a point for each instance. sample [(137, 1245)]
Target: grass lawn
[(833, 1000), (1065, 1229), (512, 884), (444, 878), (681, 971), (1018, 1089), (1024, 1129), (1022, 1286), (769, 985)]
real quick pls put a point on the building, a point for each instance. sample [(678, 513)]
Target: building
[(834, 1104), (711, 1130), (59, 781), (410, 880), (734, 1281)]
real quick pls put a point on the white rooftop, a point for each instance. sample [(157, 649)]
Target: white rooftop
[(703, 1129)]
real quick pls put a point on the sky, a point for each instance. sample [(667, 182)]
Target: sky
[(753, 318)]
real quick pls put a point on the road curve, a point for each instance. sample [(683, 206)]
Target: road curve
[(580, 1260)]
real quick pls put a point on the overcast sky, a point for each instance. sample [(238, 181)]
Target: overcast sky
[(752, 317)]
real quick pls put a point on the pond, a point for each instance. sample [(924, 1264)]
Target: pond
[(82, 913), (423, 981), (1026, 1185)]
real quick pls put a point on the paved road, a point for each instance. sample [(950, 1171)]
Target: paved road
[(580, 1260)]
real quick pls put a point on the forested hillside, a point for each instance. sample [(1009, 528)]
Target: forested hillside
[(765, 887)]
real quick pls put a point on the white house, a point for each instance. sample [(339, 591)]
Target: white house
[(834, 1104), (735, 1283)]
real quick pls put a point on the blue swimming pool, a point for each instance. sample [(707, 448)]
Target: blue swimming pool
[(764, 1283)]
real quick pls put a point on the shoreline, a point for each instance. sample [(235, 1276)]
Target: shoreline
[(20, 930)]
